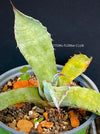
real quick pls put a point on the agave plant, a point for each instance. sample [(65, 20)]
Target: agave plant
[(54, 89)]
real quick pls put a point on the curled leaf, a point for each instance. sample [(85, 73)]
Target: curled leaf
[(73, 68), (55, 79)]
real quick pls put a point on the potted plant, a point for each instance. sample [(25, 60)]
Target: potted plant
[(83, 79), (54, 88)]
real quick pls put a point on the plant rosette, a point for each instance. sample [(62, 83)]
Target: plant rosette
[(84, 81)]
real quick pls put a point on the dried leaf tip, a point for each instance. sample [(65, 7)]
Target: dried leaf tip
[(14, 8), (12, 5)]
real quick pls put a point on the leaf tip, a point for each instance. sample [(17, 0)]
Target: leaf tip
[(12, 4), (14, 8)]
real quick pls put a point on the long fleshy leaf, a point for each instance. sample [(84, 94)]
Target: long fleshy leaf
[(55, 94), (73, 68), (84, 98), (46, 89), (35, 44), (28, 94)]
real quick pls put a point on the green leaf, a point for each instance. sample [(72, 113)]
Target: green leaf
[(35, 120), (57, 94), (53, 83), (25, 76), (55, 79), (46, 90), (36, 46), (24, 69), (28, 94), (41, 119), (83, 98), (73, 68)]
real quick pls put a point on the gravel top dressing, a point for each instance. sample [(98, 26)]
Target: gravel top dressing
[(26, 117)]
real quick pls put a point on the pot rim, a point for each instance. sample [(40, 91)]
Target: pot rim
[(15, 70)]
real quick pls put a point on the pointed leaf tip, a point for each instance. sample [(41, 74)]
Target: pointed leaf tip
[(12, 4), (36, 46)]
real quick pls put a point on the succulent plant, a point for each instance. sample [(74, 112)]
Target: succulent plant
[(35, 44)]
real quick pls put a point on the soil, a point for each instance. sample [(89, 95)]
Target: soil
[(28, 111)]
